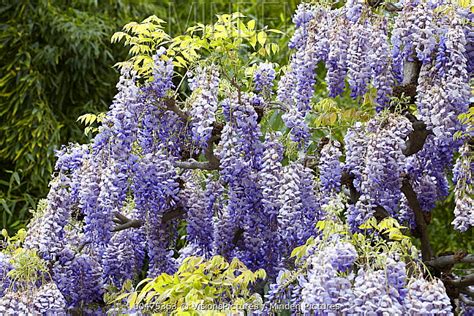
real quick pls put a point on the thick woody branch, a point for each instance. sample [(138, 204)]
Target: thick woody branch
[(173, 214), (417, 138), (193, 164), (173, 107), (446, 261), (421, 225), (348, 180), (81, 246), (464, 281), (125, 223)]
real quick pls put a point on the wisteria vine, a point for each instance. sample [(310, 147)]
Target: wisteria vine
[(170, 158)]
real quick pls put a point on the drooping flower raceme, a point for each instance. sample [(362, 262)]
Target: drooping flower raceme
[(263, 79), (155, 190), (359, 72), (199, 204), (299, 210), (339, 36), (372, 294), (205, 86), (380, 56), (324, 284), (425, 297), (330, 168), (377, 168), (78, 277), (270, 179), (464, 190), (48, 232)]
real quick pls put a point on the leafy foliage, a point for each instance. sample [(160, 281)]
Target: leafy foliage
[(56, 60), (197, 283), (202, 171)]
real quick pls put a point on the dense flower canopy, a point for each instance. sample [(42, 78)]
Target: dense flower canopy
[(167, 154)]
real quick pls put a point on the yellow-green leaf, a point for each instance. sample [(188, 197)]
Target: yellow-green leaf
[(262, 37), (251, 24)]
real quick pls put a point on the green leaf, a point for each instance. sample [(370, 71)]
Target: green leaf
[(132, 300), (262, 37), (251, 24)]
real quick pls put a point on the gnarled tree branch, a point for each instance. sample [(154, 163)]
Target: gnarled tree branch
[(417, 138), (193, 164), (463, 281), (173, 107), (445, 261), (125, 223), (421, 225)]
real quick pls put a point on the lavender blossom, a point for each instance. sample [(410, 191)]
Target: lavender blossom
[(263, 79), (464, 190), (155, 190), (381, 61), (359, 72), (205, 86), (425, 297), (330, 168), (339, 37)]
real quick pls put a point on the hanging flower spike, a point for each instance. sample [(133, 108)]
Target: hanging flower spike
[(464, 190), (429, 298), (359, 72), (79, 278), (324, 285), (270, 180), (336, 65), (200, 210), (162, 74), (330, 168), (49, 231), (263, 79), (371, 295), (155, 190), (381, 62), (205, 86)]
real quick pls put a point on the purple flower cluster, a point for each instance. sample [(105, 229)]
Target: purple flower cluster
[(155, 190), (377, 162), (383, 78), (425, 297), (263, 79), (299, 209), (464, 190), (162, 74), (359, 71), (373, 295), (302, 17), (330, 168), (385, 161), (205, 86), (119, 258), (47, 233), (330, 275), (325, 281), (5, 267), (270, 179), (339, 37), (78, 277), (199, 204), (241, 157), (49, 300)]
